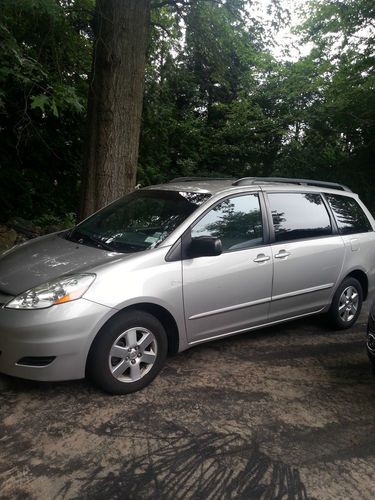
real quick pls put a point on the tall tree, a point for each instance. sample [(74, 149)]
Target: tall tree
[(115, 101)]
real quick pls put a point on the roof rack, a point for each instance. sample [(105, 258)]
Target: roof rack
[(245, 181), (196, 179)]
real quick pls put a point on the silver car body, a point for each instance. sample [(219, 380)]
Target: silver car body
[(206, 297)]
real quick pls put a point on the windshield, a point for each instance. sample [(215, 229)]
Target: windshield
[(139, 221)]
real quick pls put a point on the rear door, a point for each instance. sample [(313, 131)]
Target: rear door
[(232, 291), (308, 253)]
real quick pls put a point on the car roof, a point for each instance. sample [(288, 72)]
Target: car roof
[(202, 186), (219, 185)]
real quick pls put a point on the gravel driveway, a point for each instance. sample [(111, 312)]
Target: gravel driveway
[(287, 412)]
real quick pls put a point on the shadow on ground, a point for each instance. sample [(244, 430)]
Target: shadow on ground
[(282, 413)]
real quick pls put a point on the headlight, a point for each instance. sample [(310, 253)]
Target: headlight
[(58, 291)]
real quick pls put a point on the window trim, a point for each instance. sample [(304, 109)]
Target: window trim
[(334, 229)]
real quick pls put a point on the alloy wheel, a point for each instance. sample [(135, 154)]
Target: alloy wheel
[(133, 354), (348, 304)]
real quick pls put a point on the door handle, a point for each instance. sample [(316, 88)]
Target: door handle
[(262, 258), (283, 254)]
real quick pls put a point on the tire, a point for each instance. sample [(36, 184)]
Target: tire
[(128, 353), (346, 304)]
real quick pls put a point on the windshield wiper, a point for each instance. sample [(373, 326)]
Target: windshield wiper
[(99, 243), (80, 238)]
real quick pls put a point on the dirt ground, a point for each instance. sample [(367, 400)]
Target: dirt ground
[(284, 413)]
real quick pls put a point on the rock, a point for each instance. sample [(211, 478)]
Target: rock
[(7, 238), (23, 226)]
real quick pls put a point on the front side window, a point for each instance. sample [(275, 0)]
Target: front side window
[(138, 221), (349, 215), (236, 221), (299, 216)]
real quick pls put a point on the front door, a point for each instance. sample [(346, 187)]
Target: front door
[(230, 292)]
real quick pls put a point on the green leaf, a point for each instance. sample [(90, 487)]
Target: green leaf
[(39, 101)]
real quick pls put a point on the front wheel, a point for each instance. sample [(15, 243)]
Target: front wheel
[(128, 353), (346, 304)]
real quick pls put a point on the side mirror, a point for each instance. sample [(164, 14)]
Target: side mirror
[(205, 246)]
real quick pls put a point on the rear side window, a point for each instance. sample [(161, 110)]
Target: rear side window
[(349, 215), (236, 221), (299, 216)]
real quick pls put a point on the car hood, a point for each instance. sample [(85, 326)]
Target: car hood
[(46, 258)]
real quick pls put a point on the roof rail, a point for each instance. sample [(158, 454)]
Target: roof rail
[(190, 179), (244, 181)]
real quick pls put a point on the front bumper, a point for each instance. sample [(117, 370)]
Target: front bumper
[(63, 333)]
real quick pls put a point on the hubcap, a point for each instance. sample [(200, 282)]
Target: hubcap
[(348, 304), (133, 354)]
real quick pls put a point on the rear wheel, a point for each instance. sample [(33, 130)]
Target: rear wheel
[(346, 304), (128, 352)]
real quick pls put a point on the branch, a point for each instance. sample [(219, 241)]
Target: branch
[(158, 25)]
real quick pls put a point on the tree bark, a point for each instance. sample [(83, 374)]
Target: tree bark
[(114, 102)]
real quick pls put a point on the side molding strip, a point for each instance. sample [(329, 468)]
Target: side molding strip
[(231, 308), (303, 292)]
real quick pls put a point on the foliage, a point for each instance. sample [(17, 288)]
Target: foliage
[(205, 110), (336, 122), (216, 101), (45, 58), (67, 221)]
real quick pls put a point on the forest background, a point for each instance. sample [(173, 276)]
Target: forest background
[(217, 101)]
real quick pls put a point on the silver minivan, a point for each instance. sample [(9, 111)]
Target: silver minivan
[(170, 266)]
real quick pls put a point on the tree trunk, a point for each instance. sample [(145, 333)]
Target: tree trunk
[(114, 102)]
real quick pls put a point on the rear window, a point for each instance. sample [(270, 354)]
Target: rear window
[(349, 215), (299, 216)]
